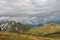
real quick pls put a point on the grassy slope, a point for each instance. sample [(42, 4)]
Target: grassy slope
[(13, 36), (51, 30)]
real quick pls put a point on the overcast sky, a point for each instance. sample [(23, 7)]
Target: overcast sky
[(26, 8)]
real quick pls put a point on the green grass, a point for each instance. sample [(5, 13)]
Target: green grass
[(44, 30), (47, 32)]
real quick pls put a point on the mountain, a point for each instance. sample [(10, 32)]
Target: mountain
[(29, 32), (13, 26)]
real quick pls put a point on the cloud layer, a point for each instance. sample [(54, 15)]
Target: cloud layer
[(30, 11), (32, 20), (28, 6)]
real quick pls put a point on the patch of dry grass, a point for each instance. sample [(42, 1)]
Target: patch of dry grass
[(13, 36)]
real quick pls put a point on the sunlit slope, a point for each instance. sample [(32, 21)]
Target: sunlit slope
[(13, 36), (45, 30)]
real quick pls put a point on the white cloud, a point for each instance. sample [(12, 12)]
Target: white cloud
[(25, 20), (3, 2), (30, 20), (52, 17), (27, 6), (23, 4)]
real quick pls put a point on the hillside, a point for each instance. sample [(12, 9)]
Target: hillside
[(14, 36), (26, 32), (46, 30)]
